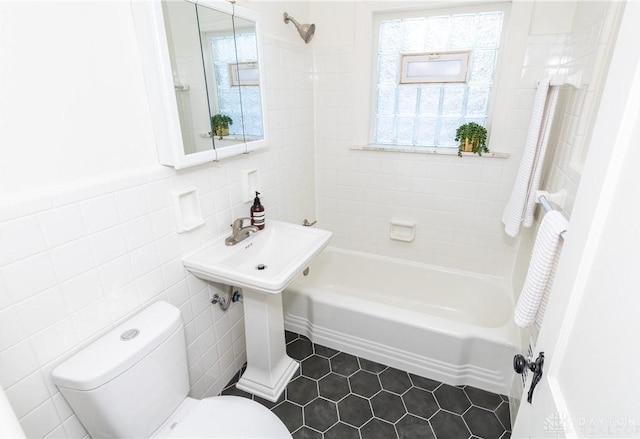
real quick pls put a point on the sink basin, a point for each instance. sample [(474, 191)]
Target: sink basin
[(267, 261)]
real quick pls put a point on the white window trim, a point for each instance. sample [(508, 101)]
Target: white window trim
[(367, 40)]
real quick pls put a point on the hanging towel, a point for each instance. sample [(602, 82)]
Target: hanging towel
[(521, 204), (542, 269)]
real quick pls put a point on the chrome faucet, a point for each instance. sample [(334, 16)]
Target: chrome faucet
[(239, 233)]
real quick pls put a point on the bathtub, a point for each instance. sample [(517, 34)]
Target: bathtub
[(446, 325)]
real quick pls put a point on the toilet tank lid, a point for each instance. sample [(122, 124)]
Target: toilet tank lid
[(119, 349)]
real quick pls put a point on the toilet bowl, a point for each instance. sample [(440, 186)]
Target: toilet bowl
[(223, 416), (133, 382)]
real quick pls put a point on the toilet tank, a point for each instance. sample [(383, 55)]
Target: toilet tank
[(128, 382)]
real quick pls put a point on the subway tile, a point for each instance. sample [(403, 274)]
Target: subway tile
[(16, 363), (116, 273), (122, 301), (29, 276), (74, 428), (193, 353), (19, 239), (5, 297), (91, 319), (108, 244), (41, 310), (209, 359), (81, 290), (138, 232), (158, 195), (163, 222), (72, 259), (24, 205), (12, 330), (226, 356), (150, 286), (195, 373), (62, 225), (178, 293), (168, 248), (173, 272), (187, 316), (58, 433), (203, 321), (27, 394), (74, 193), (145, 259), (40, 421), (53, 341), (100, 213), (62, 406), (207, 339), (132, 203)]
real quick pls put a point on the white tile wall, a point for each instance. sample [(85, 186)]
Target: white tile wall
[(76, 261), (586, 49), (457, 203)]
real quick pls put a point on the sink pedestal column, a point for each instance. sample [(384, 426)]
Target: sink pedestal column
[(269, 368)]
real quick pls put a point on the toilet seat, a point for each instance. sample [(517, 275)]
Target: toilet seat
[(228, 417)]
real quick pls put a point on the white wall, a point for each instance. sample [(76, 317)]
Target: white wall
[(86, 229), (73, 98)]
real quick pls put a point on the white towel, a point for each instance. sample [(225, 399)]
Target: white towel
[(542, 269), (521, 204)]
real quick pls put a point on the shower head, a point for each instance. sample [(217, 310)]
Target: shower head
[(306, 31)]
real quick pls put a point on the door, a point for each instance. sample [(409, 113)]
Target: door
[(591, 331)]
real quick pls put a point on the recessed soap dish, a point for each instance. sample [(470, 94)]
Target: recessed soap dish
[(186, 208), (402, 230)]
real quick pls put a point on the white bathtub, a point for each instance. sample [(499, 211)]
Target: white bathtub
[(447, 325)]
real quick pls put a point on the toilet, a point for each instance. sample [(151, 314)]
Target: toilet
[(133, 382)]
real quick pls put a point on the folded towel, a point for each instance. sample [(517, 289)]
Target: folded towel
[(521, 204), (542, 268)]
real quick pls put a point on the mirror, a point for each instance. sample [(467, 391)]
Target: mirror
[(181, 21), (203, 77), (246, 76)]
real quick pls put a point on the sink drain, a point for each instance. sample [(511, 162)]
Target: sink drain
[(260, 267)]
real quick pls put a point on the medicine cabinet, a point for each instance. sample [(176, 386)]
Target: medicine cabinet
[(201, 59)]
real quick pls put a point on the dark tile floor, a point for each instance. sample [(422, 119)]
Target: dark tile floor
[(339, 396)]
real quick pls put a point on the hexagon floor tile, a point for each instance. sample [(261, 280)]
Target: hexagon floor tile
[(336, 395)]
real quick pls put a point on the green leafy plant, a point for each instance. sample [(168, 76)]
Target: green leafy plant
[(472, 138), (220, 123)]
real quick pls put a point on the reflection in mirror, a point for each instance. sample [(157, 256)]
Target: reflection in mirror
[(246, 77), (218, 53), (181, 25)]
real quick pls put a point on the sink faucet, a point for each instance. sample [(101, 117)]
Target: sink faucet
[(238, 232)]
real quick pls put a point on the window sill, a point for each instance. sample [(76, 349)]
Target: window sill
[(426, 150)]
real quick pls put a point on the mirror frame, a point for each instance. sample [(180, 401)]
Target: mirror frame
[(163, 106)]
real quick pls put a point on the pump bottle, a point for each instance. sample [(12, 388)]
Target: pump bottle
[(257, 212)]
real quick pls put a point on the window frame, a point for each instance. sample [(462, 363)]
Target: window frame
[(379, 16), (434, 57)]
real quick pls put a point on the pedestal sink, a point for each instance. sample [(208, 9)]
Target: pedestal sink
[(262, 265)]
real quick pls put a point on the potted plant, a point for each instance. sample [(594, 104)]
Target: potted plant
[(472, 138), (220, 125)]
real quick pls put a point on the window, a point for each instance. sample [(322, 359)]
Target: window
[(234, 60), (435, 67), (418, 105)]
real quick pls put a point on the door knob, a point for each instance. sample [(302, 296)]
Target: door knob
[(520, 363)]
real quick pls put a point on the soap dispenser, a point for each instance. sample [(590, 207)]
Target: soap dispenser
[(257, 212)]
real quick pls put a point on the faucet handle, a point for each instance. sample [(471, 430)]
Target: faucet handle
[(238, 223)]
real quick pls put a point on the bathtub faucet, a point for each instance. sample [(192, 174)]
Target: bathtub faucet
[(238, 232)]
